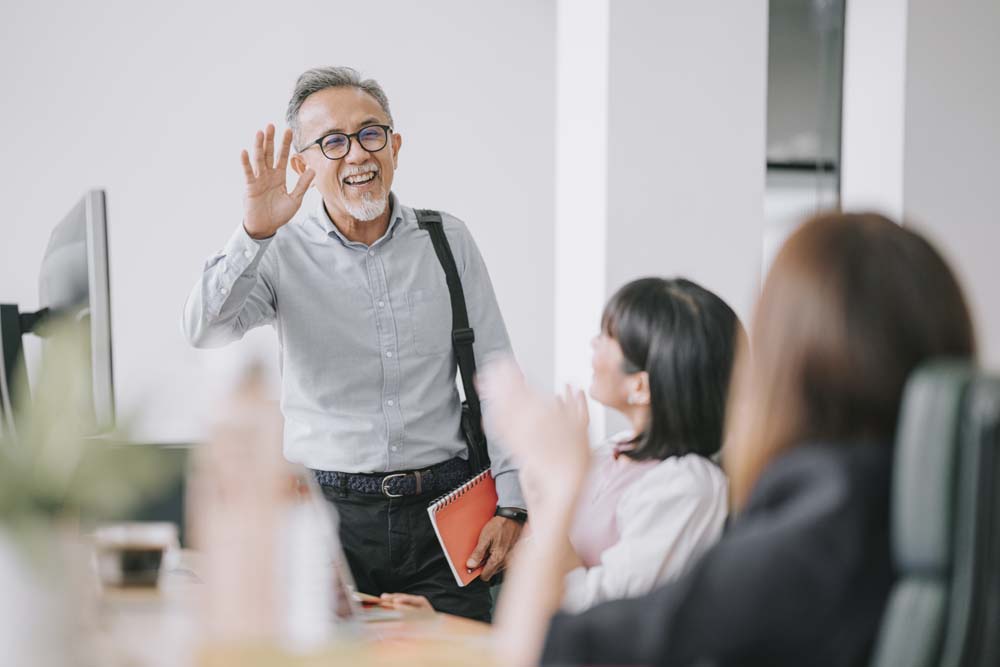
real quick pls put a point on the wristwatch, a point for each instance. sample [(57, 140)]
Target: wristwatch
[(514, 513)]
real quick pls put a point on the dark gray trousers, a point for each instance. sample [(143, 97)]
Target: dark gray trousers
[(391, 548)]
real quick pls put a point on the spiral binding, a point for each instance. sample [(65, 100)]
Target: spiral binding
[(455, 494)]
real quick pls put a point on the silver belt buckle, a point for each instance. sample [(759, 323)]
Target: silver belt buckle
[(385, 480)]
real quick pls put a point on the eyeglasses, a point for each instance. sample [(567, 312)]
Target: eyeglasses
[(337, 145)]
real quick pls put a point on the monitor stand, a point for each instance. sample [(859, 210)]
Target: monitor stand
[(13, 371)]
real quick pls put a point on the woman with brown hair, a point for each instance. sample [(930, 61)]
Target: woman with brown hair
[(852, 305)]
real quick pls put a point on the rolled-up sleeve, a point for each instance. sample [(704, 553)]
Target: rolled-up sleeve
[(234, 294)]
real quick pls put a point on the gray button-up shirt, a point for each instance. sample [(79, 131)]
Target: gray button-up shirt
[(368, 371)]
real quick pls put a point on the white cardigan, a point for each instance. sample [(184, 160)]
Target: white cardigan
[(666, 519)]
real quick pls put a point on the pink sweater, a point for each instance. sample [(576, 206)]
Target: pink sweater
[(641, 523), (595, 527)]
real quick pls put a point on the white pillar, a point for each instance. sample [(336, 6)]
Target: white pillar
[(873, 106), (581, 130)]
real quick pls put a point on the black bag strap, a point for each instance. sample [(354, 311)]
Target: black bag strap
[(462, 335)]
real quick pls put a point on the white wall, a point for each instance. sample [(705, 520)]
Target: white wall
[(952, 146), (874, 106), (921, 137), (684, 195), (154, 101), (687, 134)]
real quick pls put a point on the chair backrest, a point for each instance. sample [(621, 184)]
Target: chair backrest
[(972, 636), (944, 609)]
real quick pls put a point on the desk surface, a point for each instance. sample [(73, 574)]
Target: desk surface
[(159, 628)]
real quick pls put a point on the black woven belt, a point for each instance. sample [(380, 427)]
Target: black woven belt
[(439, 478)]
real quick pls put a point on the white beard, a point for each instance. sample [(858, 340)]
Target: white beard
[(367, 209)]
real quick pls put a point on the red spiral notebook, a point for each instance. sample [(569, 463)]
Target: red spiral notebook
[(459, 517)]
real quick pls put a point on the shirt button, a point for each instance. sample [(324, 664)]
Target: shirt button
[(381, 304), (371, 253), (224, 290), (395, 448), (390, 403), (247, 254), (388, 354)]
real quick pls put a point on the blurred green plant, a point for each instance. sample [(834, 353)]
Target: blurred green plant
[(52, 472)]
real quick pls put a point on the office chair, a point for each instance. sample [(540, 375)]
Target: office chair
[(944, 609)]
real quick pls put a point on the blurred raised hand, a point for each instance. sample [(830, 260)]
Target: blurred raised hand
[(547, 435), (267, 204), (548, 439)]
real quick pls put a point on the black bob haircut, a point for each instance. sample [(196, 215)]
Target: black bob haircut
[(685, 338)]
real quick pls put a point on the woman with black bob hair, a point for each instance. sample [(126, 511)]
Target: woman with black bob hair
[(654, 500), (677, 340)]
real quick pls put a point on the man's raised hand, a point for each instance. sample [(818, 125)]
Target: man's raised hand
[(268, 205)]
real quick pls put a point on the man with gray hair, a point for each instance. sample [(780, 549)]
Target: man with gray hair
[(362, 310)]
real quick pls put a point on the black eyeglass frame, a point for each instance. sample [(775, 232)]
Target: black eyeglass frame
[(386, 131)]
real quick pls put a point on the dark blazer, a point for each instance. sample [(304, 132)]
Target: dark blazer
[(799, 579)]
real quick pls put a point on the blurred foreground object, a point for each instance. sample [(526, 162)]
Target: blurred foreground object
[(237, 483), (133, 554), (51, 475), (267, 561)]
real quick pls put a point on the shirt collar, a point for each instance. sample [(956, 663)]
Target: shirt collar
[(330, 229), (621, 443)]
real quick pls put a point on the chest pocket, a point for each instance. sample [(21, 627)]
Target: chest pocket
[(346, 330), (430, 314)]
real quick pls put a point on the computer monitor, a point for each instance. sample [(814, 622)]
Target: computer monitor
[(73, 288)]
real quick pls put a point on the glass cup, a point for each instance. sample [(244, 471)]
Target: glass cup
[(133, 554)]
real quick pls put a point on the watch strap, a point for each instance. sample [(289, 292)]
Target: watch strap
[(513, 513)]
